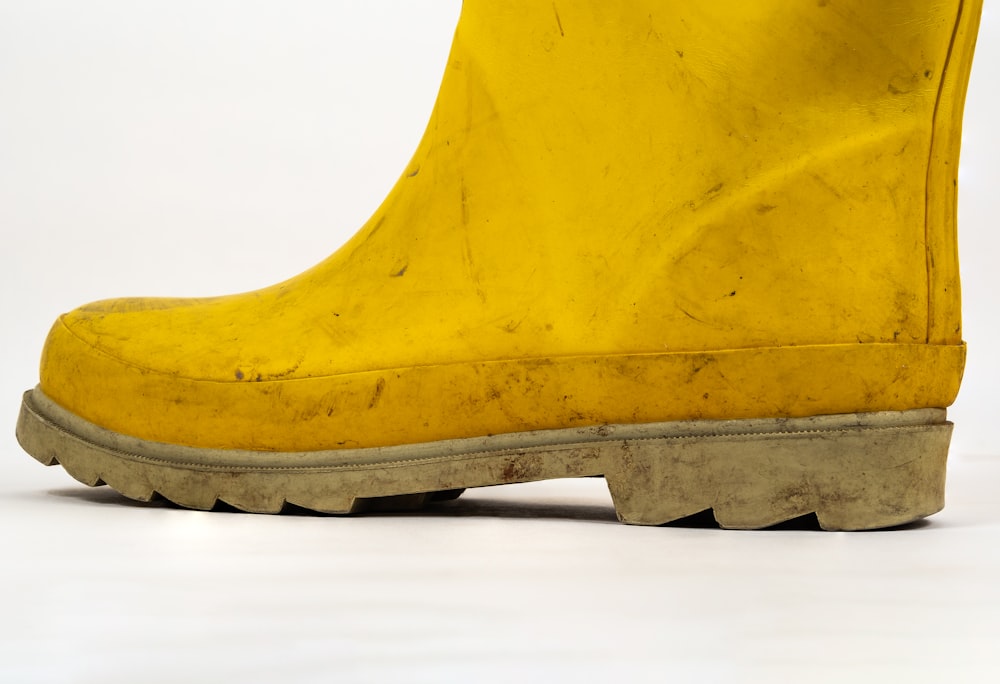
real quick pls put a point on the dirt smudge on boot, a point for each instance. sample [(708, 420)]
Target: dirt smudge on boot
[(377, 395)]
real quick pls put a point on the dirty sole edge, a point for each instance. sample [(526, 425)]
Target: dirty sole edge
[(854, 471)]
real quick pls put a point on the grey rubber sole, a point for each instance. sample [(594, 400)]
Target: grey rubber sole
[(854, 471)]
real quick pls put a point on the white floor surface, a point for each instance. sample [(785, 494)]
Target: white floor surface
[(533, 582)]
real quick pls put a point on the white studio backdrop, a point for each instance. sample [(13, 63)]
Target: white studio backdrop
[(181, 147), (198, 147)]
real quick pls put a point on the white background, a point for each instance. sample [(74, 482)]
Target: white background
[(192, 148)]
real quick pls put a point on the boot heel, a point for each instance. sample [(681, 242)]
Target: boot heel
[(858, 471)]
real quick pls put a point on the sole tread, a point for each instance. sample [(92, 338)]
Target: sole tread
[(856, 471)]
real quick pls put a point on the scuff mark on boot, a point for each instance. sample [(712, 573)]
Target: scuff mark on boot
[(377, 395)]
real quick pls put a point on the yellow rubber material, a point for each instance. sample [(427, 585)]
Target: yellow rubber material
[(451, 401)]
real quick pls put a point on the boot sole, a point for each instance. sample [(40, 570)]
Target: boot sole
[(854, 471)]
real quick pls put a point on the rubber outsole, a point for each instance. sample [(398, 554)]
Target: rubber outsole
[(854, 471)]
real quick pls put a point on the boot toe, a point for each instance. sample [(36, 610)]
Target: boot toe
[(121, 364)]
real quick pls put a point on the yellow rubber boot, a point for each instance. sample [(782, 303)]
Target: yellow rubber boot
[(707, 250)]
